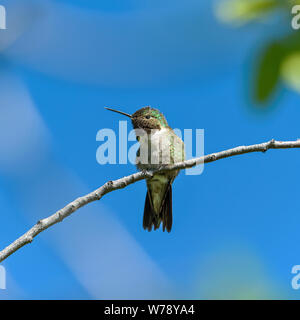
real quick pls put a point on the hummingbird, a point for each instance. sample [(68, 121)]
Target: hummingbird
[(159, 146)]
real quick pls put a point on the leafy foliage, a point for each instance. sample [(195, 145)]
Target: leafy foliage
[(279, 61), (268, 74), (243, 11)]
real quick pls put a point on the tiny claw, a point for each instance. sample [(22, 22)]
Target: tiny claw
[(147, 172)]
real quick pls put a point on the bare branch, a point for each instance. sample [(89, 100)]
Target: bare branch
[(125, 181)]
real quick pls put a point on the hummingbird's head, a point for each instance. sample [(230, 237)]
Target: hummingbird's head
[(146, 118)]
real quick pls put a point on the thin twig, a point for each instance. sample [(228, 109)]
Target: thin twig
[(125, 181)]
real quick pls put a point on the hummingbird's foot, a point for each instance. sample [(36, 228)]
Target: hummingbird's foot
[(147, 172), (163, 166)]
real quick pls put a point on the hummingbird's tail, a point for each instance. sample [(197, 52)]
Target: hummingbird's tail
[(164, 216)]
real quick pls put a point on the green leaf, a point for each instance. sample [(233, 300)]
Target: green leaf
[(290, 70), (243, 11), (268, 73)]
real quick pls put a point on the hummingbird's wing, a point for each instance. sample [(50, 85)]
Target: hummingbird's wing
[(158, 204), (167, 214), (177, 152), (148, 213)]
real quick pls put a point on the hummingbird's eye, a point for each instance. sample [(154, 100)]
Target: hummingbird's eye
[(148, 116)]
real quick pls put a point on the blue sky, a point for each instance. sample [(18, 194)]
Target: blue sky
[(235, 228)]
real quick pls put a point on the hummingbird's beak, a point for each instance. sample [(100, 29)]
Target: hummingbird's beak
[(125, 114)]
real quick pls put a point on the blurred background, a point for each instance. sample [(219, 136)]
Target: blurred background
[(229, 67)]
